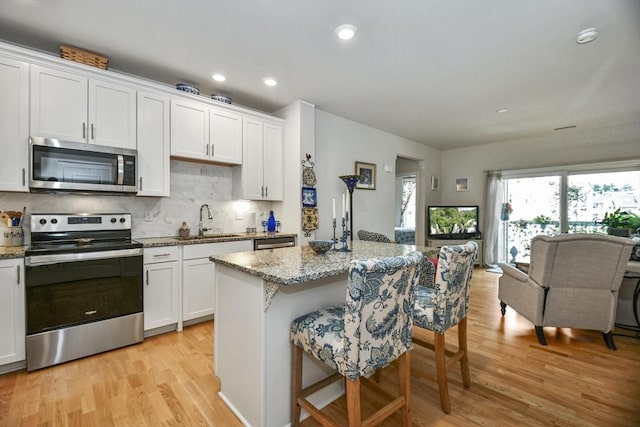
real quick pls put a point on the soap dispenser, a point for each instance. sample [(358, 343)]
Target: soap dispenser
[(271, 223), (184, 230)]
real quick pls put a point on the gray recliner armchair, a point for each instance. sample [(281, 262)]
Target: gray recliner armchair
[(572, 282)]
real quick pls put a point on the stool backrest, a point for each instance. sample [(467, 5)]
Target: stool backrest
[(451, 287), (378, 321)]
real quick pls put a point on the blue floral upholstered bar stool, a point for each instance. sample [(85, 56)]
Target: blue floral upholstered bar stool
[(444, 306), (373, 328)]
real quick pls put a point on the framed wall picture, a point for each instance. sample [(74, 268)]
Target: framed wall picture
[(435, 183), (462, 184), (367, 172), (309, 197)]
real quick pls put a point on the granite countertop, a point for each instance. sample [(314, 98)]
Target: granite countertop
[(10, 252), (150, 242), (299, 264)]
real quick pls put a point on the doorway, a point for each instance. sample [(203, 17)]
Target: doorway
[(407, 194)]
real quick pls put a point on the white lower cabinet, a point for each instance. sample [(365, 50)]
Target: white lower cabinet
[(12, 323), (198, 291), (161, 287)]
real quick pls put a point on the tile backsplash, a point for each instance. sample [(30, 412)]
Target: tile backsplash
[(192, 184)]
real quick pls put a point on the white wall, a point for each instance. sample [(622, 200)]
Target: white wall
[(572, 147), (339, 144)]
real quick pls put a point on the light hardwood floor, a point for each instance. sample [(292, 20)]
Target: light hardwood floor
[(168, 380)]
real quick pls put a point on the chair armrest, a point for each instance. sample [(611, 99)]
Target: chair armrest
[(514, 273)]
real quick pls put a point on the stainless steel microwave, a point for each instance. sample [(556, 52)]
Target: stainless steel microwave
[(56, 165)]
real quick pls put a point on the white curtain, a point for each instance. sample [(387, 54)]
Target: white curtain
[(494, 192)]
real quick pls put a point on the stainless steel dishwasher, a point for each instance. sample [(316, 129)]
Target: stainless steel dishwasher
[(262, 243)]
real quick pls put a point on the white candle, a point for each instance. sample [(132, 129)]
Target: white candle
[(343, 204), (334, 208), (347, 205)]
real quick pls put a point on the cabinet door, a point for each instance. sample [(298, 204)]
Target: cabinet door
[(161, 294), (12, 326), (252, 159), (198, 291), (153, 144), (112, 115), (225, 136), (273, 163), (58, 104), (189, 129), (14, 125)]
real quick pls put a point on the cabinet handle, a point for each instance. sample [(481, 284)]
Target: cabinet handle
[(93, 136), (262, 191), (159, 255), (147, 277), (266, 191), (213, 146), (24, 180), (18, 274), (84, 130), (207, 150), (140, 183)]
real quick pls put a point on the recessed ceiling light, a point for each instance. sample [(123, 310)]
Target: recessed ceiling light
[(218, 77), (346, 31), (270, 81), (586, 36), (502, 110)]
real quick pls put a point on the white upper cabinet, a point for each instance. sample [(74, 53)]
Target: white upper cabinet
[(72, 107), (225, 136), (153, 144), (261, 174), (14, 124), (203, 132)]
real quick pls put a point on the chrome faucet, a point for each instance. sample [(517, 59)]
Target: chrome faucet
[(201, 228)]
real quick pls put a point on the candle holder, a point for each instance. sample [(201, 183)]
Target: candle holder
[(345, 234), (334, 240), (350, 181)]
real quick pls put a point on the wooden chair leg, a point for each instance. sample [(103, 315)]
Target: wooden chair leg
[(404, 383), (462, 346), (353, 402), (296, 383), (441, 369)]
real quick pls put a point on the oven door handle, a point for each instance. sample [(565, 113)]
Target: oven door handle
[(80, 256)]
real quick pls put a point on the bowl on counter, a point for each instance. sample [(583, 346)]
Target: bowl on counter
[(320, 246)]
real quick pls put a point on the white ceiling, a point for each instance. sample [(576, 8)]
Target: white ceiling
[(432, 71)]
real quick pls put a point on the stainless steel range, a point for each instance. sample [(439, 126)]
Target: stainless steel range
[(83, 287)]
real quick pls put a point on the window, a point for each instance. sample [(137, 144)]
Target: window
[(570, 201), (408, 204)]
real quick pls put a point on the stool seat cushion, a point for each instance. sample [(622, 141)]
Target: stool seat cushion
[(321, 334), (374, 326)]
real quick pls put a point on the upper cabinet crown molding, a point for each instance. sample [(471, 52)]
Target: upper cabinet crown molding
[(54, 62)]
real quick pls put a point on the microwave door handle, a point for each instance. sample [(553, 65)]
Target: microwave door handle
[(120, 180)]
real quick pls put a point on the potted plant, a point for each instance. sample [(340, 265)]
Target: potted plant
[(620, 223), (543, 220)]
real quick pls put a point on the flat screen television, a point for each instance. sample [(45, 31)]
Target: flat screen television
[(452, 222)]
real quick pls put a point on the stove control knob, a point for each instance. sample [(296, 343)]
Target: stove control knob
[(122, 220), (54, 221), (113, 220), (43, 221)]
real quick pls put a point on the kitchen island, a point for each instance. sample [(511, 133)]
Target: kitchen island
[(258, 294)]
